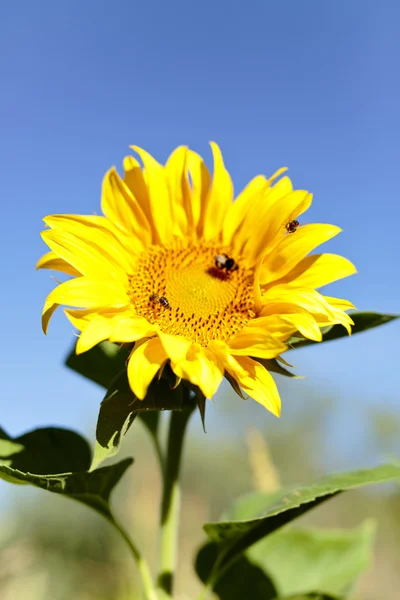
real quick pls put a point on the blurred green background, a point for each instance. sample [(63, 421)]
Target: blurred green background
[(52, 548)]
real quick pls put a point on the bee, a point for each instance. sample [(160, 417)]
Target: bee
[(292, 226), (156, 299), (223, 261)]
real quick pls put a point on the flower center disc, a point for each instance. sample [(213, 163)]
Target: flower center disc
[(204, 302)]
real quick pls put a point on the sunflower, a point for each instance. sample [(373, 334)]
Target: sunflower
[(189, 277)]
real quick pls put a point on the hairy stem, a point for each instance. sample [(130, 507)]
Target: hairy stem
[(170, 507)]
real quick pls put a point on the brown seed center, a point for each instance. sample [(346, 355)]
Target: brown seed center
[(204, 302)]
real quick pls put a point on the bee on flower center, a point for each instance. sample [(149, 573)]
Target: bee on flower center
[(223, 261), (292, 226), (156, 299)]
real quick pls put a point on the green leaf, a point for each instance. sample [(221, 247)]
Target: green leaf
[(120, 407), (7, 446), (330, 561), (57, 460), (91, 488), (101, 364), (362, 322), (45, 451), (292, 560), (251, 505), (234, 537), (243, 580)]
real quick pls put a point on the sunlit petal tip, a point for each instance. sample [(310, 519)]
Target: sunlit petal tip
[(79, 349), (142, 152), (217, 154), (129, 162), (215, 146), (47, 219), (180, 149), (275, 409), (278, 173)]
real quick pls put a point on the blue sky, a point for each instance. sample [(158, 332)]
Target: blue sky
[(310, 85)]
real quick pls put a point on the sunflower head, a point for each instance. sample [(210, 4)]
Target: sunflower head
[(191, 278)]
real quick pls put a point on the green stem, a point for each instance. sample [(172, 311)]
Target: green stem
[(170, 508), (144, 570), (205, 591)]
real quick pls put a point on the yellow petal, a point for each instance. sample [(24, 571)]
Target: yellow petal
[(143, 365), (257, 217), (244, 204), (135, 180), (81, 224), (50, 260), (83, 255), (297, 316), (338, 316), (274, 325), (81, 318), (176, 346), (130, 329), (202, 368), (176, 174), (117, 246), (125, 325), (219, 198), (160, 202), (272, 229), (257, 382), (293, 248), (277, 174), (97, 330), (305, 324), (309, 299), (318, 270), (337, 320), (200, 178), (237, 212), (83, 292), (120, 205), (255, 341), (340, 303), (48, 311)]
